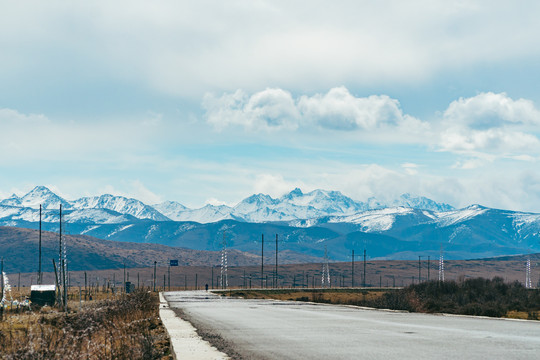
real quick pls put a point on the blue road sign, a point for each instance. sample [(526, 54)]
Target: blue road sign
[(174, 262)]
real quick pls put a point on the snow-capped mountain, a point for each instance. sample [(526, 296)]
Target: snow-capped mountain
[(420, 202), (208, 214), (327, 202), (404, 227), (171, 209), (295, 205), (120, 205), (40, 195)]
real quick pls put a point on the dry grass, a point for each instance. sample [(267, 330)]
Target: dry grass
[(330, 296), (479, 296), (123, 328)]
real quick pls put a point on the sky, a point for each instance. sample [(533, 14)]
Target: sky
[(208, 102)]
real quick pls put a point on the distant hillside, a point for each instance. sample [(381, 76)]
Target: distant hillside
[(19, 248)]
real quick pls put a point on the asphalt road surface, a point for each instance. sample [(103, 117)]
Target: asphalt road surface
[(267, 329)]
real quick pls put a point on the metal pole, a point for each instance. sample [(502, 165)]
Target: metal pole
[(169, 279), (125, 278), (39, 269), (352, 269), (428, 268), (63, 267), (276, 277), (60, 251), (212, 277), (2, 287), (419, 269), (262, 259), (155, 263), (364, 281), (2, 277)]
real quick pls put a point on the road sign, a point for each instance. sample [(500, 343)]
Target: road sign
[(174, 262)]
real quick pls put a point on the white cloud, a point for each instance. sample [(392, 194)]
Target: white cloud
[(490, 123), (12, 118), (271, 109), (472, 163), (185, 48), (274, 185), (488, 110), (214, 202), (338, 109), (492, 140), (141, 192), (410, 168)]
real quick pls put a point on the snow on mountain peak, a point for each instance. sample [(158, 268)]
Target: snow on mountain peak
[(41, 195), (452, 217), (171, 209), (256, 208), (121, 205)]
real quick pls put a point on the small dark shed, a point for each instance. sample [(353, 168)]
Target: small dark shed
[(43, 294)]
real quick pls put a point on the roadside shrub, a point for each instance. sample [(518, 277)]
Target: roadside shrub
[(109, 329)]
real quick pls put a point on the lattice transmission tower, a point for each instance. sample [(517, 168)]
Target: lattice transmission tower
[(528, 281), (325, 277), (441, 266), (223, 280)]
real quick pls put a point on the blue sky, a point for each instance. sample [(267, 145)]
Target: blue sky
[(209, 102)]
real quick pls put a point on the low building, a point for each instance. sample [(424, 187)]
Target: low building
[(43, 295)]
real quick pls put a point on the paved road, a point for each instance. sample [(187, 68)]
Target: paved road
[(266, 329)]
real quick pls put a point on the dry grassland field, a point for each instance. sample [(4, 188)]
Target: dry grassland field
[(391, 273)]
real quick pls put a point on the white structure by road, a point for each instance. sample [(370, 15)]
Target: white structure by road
[(266, 329)]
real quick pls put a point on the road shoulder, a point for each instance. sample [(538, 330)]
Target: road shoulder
[(186, 344)]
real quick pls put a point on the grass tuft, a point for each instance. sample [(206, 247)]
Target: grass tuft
[(125, 328)]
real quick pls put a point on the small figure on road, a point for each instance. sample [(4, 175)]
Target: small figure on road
[(206, 286)]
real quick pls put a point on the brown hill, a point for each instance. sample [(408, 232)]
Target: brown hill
[(19, 249)]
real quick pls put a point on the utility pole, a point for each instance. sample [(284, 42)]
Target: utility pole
[(276, 276), (419, 269), (262, 259), (39, 266), (428, 265), (169, 278), (2, 288), (364, 282), (124, 277), (63, 258), (352, 269), (155, 263), (2, 279), (60, 255)]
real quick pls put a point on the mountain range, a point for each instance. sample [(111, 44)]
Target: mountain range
[(256, 208), (404, 228)]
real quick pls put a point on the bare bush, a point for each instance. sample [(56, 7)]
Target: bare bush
[(109, 329)]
